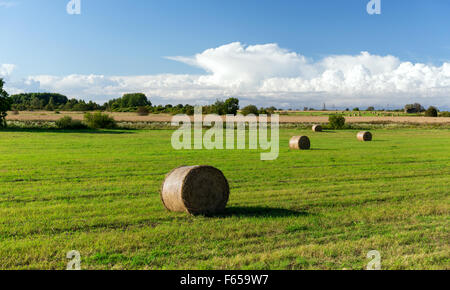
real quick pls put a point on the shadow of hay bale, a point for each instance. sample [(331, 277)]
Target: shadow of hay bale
[(261, 212), (321, 149)]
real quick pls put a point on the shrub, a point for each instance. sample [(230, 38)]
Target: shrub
[(68, 123), (431, 112), (271, 110), (263, 111), (99, 121), (336, 121), (142, 111), (444, 114), (414, 108), (251, 109)]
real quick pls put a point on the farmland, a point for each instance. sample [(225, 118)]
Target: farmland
[(97, 192), (285, 117)]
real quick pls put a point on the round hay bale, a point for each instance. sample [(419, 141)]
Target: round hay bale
[(317, 128), (364, 136), (197, 190), (300, 143)]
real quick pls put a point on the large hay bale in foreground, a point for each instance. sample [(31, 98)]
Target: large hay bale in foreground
[(364, 136), (195, 190), (300, 143), (317, 128)]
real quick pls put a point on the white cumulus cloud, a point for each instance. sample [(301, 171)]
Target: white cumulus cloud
[(269, 75), (235, 65), (6, 69)]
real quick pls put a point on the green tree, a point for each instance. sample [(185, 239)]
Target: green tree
[(5, 104), (35, 103), (250, 109), (128, 102), (134, 100), (188, 110), (414, 108), (218, 108), (231, 106), (51, 105), (431, 112), (29, 101), (271, 110)]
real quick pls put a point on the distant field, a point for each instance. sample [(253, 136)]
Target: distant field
[(286, 117), (98, 193), (353, 113)]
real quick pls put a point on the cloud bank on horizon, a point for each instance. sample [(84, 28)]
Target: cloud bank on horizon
[(264, 75)]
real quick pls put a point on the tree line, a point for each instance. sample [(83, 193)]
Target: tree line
[(50, 102), (137, 102)]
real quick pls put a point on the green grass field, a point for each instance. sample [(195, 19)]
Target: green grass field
[(98, 193)]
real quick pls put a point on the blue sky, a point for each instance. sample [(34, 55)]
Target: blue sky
[(133, 38)]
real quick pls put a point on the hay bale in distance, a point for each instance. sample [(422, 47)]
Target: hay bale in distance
[(317, 128), (300, 143), (364, 136), (195, 190)]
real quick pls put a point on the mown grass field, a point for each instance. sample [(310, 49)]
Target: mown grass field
[(98, 193)]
